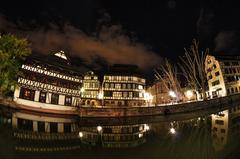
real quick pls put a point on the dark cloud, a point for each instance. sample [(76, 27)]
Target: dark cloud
[(110, 43), (227, 42)]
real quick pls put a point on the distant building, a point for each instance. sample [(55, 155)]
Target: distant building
[(223, 75), (123, 85), (160, 92)]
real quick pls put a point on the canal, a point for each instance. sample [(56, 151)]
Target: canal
[(203, 135)]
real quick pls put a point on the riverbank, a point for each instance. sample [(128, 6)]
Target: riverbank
[(91, 112), (158, 110)]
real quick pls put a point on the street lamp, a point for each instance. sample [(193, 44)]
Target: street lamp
[(80, 134), (172, 94), (148, 97), (189, 94)]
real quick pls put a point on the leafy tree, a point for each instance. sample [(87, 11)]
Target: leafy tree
[(13, 51)]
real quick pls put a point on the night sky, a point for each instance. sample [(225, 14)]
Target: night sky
[(124, 31)]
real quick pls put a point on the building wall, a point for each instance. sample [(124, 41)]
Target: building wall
[(223, 76), (160, 93), (122, 90)]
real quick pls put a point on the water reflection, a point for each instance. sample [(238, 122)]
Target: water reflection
[(207, 136)]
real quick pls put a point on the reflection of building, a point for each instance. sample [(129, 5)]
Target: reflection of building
[(49, 82), (90, 90), (220, 124), (123, 85), (38, 133), (224, 125), (223, 75), (121, 136)]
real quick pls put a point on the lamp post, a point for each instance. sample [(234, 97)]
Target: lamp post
[(100, 96)]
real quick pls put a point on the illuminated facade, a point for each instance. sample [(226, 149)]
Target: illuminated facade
[(160, 93), (223, 75), (90, 90), (123, 86), (49, 83)]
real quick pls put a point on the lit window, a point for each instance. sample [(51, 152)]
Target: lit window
[(118, 86), (54, 98), (42, 97), (140, 87), (68, 100)]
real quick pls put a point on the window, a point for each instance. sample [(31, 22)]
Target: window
[(42, 97), (217, 73), (41, 126), (223, 130), (226, 71), (54, 98), (140, 87), (68, 100), (215, 83), (118, 86), (226, 63), (129, 86), (108, 93), (219, 122), (134, 86), (27, 94), (117, 94), (112, 85), (214, 66), (124, 86), (130, 94), (106, 85), (210, 77), (53, 127), (125, 94), (67, 127), (234, 63)]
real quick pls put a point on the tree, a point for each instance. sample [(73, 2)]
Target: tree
[(168, 74), (193, 67), (13, 51)]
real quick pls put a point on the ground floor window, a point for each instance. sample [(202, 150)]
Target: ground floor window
[(42, 97), (54, 98), (25, 124), (41, 126), (26, 93), (53, 127), (68, 100)]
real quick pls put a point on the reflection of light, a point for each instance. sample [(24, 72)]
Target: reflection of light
[(189, 94), (172, 94), (146, 127), (99, 128), (100, 95), (80, 134), (172, 131), (140, 135)]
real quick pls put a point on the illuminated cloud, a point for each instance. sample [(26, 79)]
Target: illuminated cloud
[(111, 43)]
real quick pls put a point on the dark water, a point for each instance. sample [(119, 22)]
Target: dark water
[(207, 134)]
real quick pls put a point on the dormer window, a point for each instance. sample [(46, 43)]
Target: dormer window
[(61, 54)]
